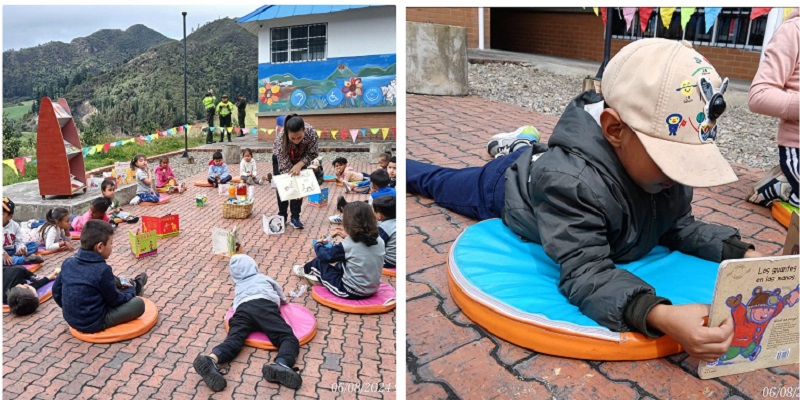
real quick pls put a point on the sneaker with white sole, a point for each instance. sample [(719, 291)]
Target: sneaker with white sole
[(335, 219), (135, 200), (504, 143), (297, 270), (773, 186)]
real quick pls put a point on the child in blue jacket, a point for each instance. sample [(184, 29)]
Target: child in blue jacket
[(218, 171)]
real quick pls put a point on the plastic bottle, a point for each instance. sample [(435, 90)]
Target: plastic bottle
[(231, 191)]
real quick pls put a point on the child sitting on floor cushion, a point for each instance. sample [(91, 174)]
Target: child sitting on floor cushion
[(90, 297), (97, 210), (357, 261), (54, 234), (257, 308), (218, 171), (144, 181), (15, 251), (109, 189), (19, 289), (165, 178)]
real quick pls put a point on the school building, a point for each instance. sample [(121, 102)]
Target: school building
[(732, 42), (333, 65)]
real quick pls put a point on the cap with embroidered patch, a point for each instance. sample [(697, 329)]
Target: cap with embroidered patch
[(8, 205), (672, 97)]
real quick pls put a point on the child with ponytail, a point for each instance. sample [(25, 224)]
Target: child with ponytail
[(54, 234)]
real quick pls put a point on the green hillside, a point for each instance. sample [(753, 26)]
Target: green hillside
[(52, 68)]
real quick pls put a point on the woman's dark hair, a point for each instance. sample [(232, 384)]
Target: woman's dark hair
[(95, 231), (136, 158), (360, 223), (217, 155), (386, 205), (100, 204), (292, 123), (393, 159), (247, 150), (52, 217), (339, 161), (106, 183), (21, 301)]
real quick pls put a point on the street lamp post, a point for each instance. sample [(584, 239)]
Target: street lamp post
[(185, 96)]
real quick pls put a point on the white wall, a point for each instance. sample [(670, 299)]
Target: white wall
[(359, 32)]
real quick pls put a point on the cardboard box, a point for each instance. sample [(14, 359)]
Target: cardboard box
[(319, 200), (166, 226), (144, 244)]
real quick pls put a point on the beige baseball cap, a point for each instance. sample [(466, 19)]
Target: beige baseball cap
[(671, 96)]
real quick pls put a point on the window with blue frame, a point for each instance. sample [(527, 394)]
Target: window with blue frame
[(298, 43)]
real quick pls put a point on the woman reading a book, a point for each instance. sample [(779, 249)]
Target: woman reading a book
[(294, 149)]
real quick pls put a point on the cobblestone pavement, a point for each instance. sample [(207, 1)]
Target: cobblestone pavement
[(193, 290), (448, 355)]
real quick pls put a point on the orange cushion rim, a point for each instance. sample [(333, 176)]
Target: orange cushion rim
[(389, 272), (128, 330), (149, 204), (376, 309), (268, 345), (781, 214)]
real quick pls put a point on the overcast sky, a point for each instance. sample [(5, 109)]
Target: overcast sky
[(28, 26)]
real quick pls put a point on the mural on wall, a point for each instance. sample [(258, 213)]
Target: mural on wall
[(335, 83)]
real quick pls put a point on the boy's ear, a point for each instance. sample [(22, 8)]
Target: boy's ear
[(97, 246), (612, 126)]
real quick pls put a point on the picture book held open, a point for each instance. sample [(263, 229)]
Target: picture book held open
[(224, 242), (294, 187), (760, 295)]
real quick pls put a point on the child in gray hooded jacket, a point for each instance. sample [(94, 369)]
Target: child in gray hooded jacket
[(256, 305)]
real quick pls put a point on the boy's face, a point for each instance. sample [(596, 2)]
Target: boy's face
[(30, 288), (383, 163), (379, 216), (340, 168), (248, 157), (97, 214), (104, 249), (391, 169), (217, 162), (640, 166), (109, 191), (6, 217)]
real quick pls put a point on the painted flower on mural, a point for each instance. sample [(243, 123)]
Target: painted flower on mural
[(269, 93), (390, 91), (352, 88)]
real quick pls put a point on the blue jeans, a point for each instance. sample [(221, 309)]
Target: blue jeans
[(474, 192), (32, 248)]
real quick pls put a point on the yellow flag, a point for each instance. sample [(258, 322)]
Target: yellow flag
[(385, 132), (375, 130), (270, 131), (686, 13), (333, 133), (10, 163), (319, 133), (666, 15), (786, 12), (98, 148), (596, 11)]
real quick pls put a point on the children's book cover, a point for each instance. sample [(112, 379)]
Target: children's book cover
[(143, 244), (224, 242), (294, 187), (273, 225), (791, 247), (760, 296)]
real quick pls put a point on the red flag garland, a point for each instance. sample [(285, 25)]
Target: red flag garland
[(644, 17)]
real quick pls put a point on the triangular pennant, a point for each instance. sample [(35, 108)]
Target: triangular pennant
[(385, 132), (211, 128), (92, 150), (85, 151), (180, 129), (786, 12), (11, 165), (595, 9), (98, 148), (118, 143), (666, 15), (759, 11), (603, 14), (253, 131), (319, 133), (28, 159), (375, 130), (364, 132), (644, 17), (106, 147), (686, 14), (270, 131), (237, 130), (333, 133), (711, 14), (20, 163), (353, 134), (344, 133), (140, 140), (627, 13)]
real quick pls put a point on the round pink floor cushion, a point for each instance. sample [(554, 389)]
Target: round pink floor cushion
[(301, 319), (382, 301)]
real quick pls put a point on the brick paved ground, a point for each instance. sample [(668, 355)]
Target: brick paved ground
[(192, 289), (448, 355)]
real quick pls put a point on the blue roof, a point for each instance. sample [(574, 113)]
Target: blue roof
[(284, 11)]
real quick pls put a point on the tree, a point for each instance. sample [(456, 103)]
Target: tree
[(95, 131), (12, 137)]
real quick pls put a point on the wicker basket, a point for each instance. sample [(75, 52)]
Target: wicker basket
[(237, 211)]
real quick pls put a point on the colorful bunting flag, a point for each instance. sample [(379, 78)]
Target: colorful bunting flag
[(211, 128), (627, 13), (180, 129), (786, 12), (666, 15), (106, 147), (140, 140), (364, 132), (319, 133), (385, 132), (20, 163), (253, 131), (333, 133), (759, 11), (354, 134), (237, 130), (85, 151), (711, 16), (11, 165), (595, 9), (98, 148), (603, 12), (270, 131), (686, 14), (644, 17), (375, 130)]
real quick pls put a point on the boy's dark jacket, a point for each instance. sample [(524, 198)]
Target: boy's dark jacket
[(588, 214), (85, 290)]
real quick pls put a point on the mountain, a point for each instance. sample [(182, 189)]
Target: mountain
[(55, 66), (146, 93)]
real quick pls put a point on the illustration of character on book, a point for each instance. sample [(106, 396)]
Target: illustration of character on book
[(751, 321)]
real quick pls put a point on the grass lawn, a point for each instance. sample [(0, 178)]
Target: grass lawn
[(16, 112)]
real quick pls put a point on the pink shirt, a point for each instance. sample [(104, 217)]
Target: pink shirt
[(163, 175), (774, 90), (351, 176), (79, 222)]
